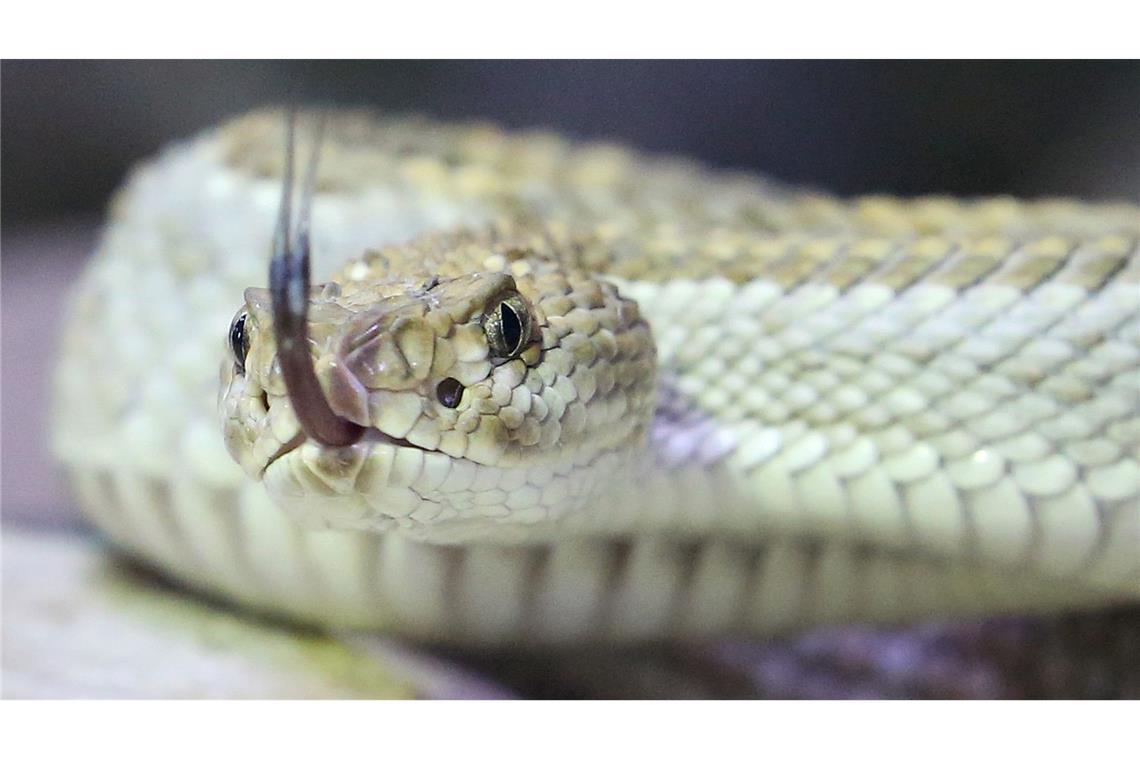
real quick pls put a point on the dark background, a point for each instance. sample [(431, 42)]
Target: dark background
[(71, 128)]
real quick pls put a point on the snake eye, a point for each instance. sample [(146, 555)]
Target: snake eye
[(507, 325), (239, 340), (449, 392)]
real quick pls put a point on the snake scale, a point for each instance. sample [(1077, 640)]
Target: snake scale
[(600, 395)]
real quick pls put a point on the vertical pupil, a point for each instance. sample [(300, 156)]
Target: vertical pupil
[(512, 327), (238, 341)]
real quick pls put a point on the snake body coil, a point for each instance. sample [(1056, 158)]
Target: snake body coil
[(606, 396)]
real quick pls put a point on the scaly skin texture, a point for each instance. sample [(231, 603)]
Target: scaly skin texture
[(387, 339), (737, 408)]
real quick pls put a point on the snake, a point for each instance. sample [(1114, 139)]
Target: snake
[(547, 391)]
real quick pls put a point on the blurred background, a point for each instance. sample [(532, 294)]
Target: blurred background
[(71, 130)]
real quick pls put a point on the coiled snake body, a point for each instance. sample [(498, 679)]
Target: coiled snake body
[(605, 396)]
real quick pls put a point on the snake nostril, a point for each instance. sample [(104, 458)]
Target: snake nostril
[(449, 392)]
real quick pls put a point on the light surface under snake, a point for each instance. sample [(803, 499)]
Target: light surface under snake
[(875, 409)]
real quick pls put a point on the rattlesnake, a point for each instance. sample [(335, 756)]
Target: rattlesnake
[(604, 395)]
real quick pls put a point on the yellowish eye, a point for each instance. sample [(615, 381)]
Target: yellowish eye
[(508, 326)]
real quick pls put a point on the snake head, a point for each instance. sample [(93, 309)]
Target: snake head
[(497, 385)]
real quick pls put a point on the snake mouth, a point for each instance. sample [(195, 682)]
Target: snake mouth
[(371, 436), (293, 443)]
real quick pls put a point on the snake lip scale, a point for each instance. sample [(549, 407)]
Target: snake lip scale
[(604, 396)]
